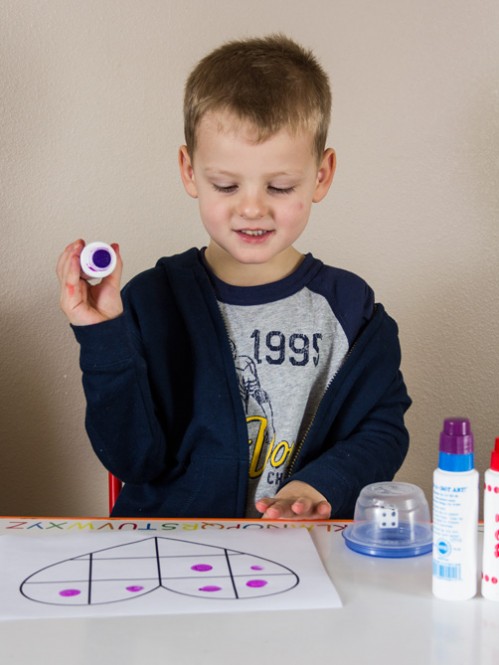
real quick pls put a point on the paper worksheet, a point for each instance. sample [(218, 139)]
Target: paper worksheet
[(119, 574)]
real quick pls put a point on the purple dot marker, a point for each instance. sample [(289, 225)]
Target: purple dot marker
[(69, 593), (210, 588), (256, 567), (256, 584), (102, 258), (134, 589), (202, 567)]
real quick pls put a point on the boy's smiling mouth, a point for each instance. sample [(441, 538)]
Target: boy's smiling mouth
[(254, 232), (254, 235)]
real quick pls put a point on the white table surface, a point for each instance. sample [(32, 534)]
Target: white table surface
[(389, 616)]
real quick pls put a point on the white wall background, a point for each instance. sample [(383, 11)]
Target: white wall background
[(90, 123)]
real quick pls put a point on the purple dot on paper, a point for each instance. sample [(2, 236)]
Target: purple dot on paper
[(256, 567), (68, 593), (210, 589), (202, 567), (256, 584), (134, 589)]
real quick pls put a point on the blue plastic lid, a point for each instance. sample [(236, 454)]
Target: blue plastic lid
[(392, 519), (405, 540)]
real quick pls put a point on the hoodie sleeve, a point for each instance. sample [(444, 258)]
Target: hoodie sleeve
[(358, 436)]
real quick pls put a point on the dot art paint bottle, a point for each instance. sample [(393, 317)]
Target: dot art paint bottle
[(97, 260), (490, 565), (455, 514)]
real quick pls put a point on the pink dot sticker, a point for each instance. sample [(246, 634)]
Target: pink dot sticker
[(202, 567), (256, 584), (69, 593)]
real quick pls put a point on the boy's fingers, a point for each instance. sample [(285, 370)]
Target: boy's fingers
[(279, 509), (307, 508), (262, 505), (324, 509), (115, 277), (285, 508), (275, 512), (64, 262), (302, 505), (70, 274)]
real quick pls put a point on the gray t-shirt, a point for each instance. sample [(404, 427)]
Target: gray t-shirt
[(289, 338)]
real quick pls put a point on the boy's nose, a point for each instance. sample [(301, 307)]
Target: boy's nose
[(251, 207)]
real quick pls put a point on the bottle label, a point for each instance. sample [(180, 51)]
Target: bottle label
[(450, 525), (447, 571)]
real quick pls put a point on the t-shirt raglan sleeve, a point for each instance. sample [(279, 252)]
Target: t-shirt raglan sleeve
[(349, 296)]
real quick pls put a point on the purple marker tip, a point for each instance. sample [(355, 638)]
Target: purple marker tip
[(98, 259), (101, 258)]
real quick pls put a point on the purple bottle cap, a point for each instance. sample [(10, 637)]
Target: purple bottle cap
[(456, 437)]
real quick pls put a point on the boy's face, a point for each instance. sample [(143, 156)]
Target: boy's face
[(254, 198)]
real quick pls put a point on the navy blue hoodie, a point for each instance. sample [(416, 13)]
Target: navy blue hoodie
[(165, 416)]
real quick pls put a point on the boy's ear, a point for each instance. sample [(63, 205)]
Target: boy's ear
[(187, 172), (325, 174)]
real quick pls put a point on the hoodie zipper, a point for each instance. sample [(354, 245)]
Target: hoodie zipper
[(300, 445)]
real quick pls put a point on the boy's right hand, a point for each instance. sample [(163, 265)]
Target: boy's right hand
[(83, 303)]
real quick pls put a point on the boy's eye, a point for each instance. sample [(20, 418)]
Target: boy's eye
[(227, 189), (230, 189), (281, 190)]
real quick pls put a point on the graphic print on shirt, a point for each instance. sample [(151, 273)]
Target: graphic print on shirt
[(285, 354), (256, 401)]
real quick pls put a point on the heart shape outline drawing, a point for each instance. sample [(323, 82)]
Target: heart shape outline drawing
[(130, 570)]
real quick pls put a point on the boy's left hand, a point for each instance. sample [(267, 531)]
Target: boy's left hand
[(296, 500)]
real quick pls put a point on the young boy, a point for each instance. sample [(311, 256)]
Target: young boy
[(246, 378)]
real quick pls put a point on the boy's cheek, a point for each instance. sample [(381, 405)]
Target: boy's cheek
[(212, 212), (297, 209)]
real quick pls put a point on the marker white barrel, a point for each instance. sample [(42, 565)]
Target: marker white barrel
[(98, 259), (490, 567), (455, 513)]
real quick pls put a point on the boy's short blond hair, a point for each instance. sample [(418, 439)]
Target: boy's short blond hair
[(270, 82)]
